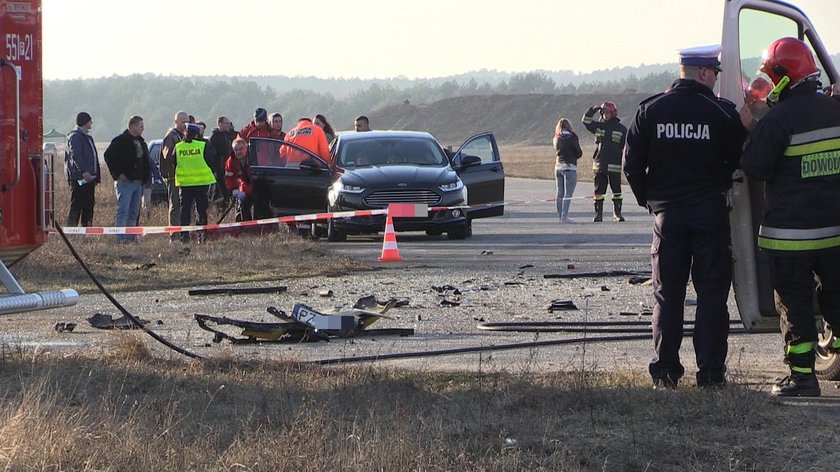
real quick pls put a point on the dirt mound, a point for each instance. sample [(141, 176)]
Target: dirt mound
[(514, 119)]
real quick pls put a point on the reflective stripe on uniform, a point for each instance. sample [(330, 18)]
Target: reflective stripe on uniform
[(599, 198), (836, 343), (819, 150), (801, 348), (815, 135), (617, 197), (785, 239), (614, 168), (802, 370)]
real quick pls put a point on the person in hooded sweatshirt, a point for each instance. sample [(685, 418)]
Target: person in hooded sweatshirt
[(567, 149)]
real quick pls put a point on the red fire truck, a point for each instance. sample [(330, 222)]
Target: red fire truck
[(26, 168)]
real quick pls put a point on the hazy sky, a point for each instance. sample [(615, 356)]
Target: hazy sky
[(379, 38)]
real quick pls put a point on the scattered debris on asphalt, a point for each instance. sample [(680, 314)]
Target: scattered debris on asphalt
[(65, 327), (326, 293), (446, 302), (103, 321), (486, 253), (237, 290), (306, 324), (640, 280), (604, 288), (561, 305), (446, 288), (145, 266), (527, 266)]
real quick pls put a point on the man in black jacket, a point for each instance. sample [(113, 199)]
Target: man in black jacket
[(128, 162), (795, 150), (81, 167), (221, 139), (682, 148), (174, 135)]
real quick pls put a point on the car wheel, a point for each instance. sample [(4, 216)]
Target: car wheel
[(828, 360), (433, 232), (459, 232), (333, 234)]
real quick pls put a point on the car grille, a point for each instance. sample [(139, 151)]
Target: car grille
[(382, 198)]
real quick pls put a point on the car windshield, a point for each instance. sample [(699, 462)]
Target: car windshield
[(391, 152)]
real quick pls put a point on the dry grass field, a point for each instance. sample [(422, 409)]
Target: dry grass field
[(537, 162), (126, 410)]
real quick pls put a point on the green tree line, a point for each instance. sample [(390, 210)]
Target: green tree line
[(113, 100)]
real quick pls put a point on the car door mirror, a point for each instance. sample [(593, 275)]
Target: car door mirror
[(469, 161)]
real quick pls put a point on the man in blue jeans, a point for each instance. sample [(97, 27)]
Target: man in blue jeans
[(128, 162)]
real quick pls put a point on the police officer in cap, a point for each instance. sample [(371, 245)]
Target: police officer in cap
[(682, 148), (794, 150)]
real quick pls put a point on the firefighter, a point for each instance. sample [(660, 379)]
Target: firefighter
[(193, 176), (794, 149), (308, 136), (682, 148), (610, 136)]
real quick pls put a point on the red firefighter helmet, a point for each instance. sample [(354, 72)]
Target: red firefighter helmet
[(611, 107), (789, 57)]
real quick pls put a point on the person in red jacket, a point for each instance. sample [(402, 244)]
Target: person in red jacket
[(239, 181), (309, 137), (259, 127)]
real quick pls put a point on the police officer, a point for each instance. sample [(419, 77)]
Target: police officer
[(610, 136), (193, 177), (794, 149), (682, 148)]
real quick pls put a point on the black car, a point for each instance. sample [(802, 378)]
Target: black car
[(369, 170), (159, 193)]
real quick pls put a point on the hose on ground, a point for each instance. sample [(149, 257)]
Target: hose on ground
[(117, 304)]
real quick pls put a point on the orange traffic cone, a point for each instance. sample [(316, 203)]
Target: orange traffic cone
[(390, 253)]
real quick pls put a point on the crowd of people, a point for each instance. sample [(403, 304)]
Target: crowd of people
[(194, 169)]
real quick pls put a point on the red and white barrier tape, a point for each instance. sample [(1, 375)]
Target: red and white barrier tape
[(397, 210), (143, 230), (400, 210)]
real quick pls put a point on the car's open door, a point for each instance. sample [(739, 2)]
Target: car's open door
[(484, 179), (288, 179), (749, 27)]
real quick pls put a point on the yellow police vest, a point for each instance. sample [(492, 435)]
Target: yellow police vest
[(190, 168)]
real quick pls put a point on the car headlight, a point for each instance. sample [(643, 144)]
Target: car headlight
[(340, 187), (452, 186)]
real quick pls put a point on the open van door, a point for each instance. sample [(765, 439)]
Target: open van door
[(749, 26)]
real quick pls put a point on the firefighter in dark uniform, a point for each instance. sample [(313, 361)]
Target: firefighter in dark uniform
[(682, 148), (610, 136), (795, 150)]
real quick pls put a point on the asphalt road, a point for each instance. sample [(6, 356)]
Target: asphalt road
[(500, 272)]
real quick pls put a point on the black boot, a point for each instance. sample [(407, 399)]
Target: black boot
[(617, 211), (599, 211), (797, 385)]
